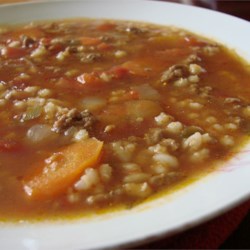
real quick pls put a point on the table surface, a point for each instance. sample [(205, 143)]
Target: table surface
[(240, 239)]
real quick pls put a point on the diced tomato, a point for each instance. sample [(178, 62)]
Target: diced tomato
[(133, 94), (9, 146), (104, 46), (13, 53), (89, 78), (45, 41), (106, 27), (56, 48), (90, 41), (118, 72)]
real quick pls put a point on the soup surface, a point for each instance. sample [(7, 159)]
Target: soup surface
[(99, 113)]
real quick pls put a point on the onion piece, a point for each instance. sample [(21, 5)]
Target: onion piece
[(142, 109), (40, 134), (93, 103), (147, 92), (32, 113)]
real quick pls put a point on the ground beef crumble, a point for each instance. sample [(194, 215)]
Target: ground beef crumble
[(73, 117)]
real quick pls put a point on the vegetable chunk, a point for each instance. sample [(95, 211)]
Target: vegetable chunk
[(63, 168)]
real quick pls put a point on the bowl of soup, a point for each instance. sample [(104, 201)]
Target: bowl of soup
[(117, 125)]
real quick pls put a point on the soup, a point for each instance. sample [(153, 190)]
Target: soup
[(96, 114)]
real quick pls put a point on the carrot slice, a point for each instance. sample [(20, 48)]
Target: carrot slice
[(69, 164)]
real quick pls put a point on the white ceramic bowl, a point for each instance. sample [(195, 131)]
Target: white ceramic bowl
[(200, 201)]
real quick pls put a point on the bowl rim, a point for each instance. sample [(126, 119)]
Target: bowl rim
[(220, 209)]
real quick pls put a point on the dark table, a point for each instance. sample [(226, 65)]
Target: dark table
[(239, 8)]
